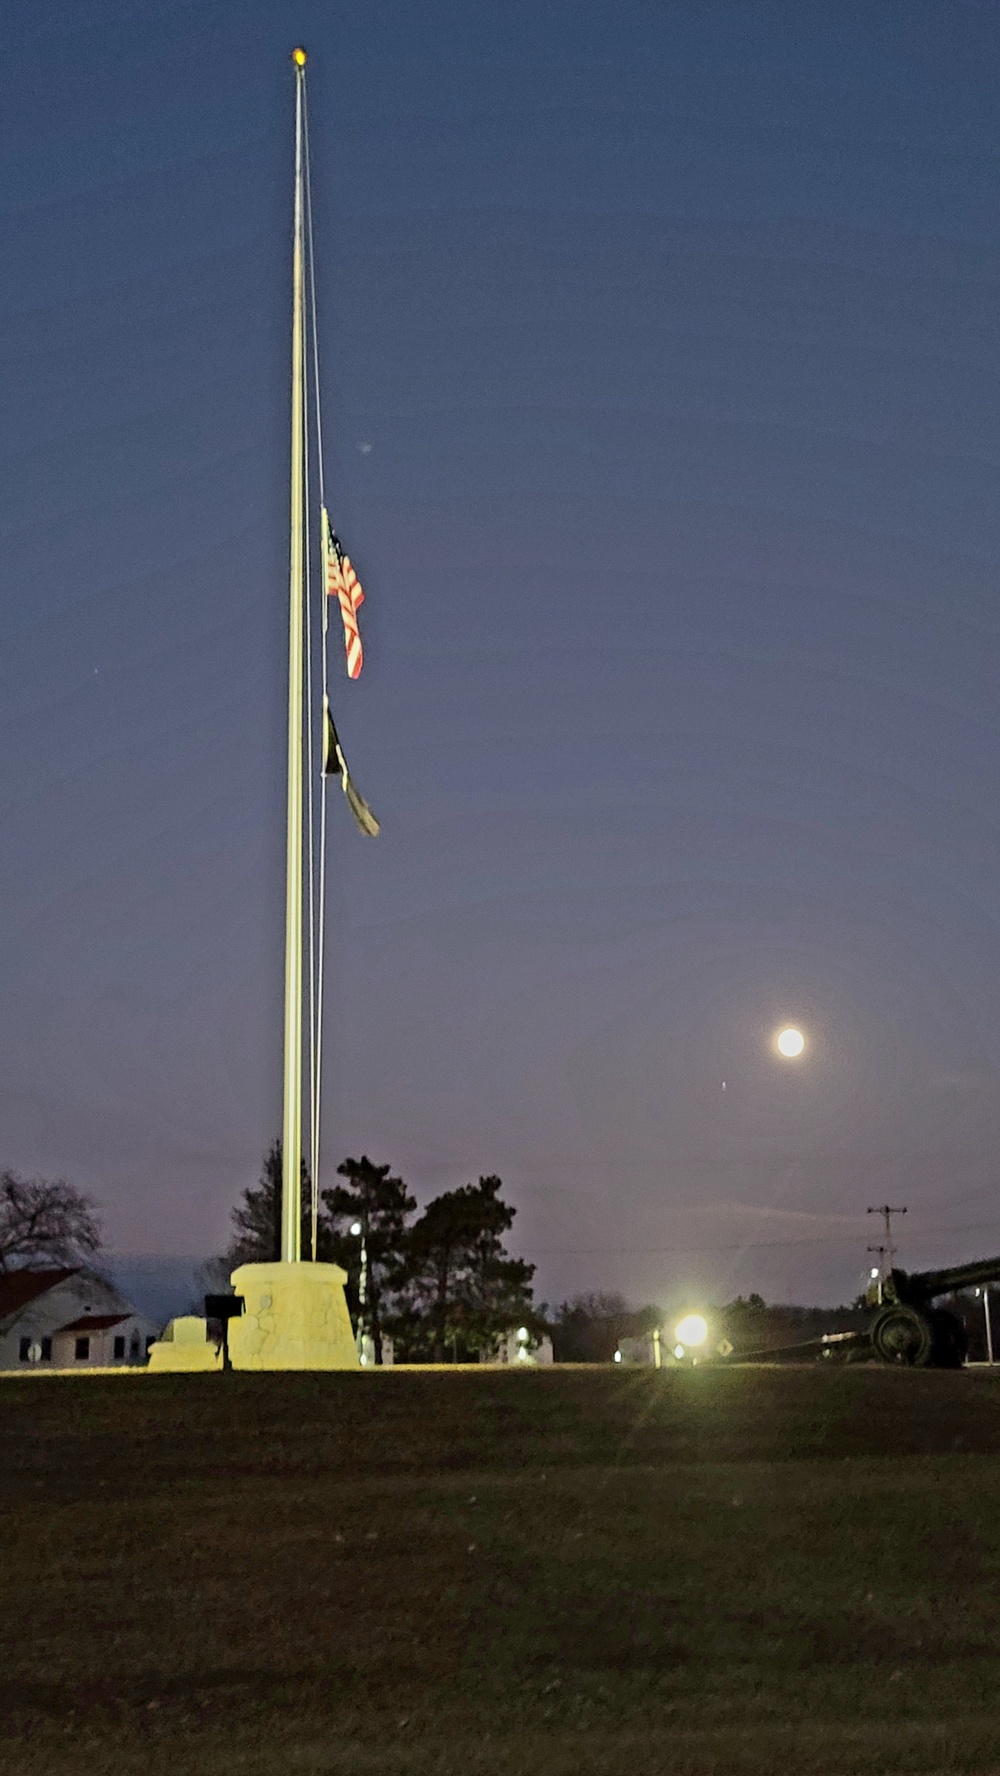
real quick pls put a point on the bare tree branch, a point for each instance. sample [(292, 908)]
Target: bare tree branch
[(45, 1218)]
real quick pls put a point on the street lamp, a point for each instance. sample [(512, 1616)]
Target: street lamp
[(690, 1333), (359, 1233)]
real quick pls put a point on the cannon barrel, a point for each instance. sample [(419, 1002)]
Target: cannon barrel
[(923, 1285)]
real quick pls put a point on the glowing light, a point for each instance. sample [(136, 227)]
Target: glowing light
[(299, 57), (355, 1228), (679, 1351), (618, 1356), (874, 1273), (522, 1334), (790, 1042), (692, 1329)]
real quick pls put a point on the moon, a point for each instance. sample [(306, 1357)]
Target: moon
[(790, 1042)]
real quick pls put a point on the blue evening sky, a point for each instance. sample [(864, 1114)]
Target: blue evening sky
[(661, 351)]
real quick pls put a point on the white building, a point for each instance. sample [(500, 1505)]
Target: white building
[(68, 1319), (519, 1347), (638, 1350)]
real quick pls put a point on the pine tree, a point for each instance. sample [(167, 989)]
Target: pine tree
[(463, 1287), (380, 1204), (257, 1217)]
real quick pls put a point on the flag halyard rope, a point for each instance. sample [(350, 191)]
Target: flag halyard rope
[(310, 831), (317, 866), (330, 758)]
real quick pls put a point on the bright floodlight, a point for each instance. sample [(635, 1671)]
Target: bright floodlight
[(692, 1329), (791, 1042), (522, 1334), (355, 1228)]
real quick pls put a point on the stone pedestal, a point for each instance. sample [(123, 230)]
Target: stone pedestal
[(186, 1347), (294, 1317)]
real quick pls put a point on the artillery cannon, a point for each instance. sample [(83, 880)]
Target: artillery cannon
[(908, 1328)]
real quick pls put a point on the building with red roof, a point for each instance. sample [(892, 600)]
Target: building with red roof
[(68, 1318)]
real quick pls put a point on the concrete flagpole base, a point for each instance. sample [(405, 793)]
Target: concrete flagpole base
[(294, 1317)]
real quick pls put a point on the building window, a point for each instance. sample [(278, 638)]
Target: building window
[(119, 1350), (24, 1346), (46, 1350), (82, 1352)]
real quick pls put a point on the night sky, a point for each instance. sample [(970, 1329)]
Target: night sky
[(661, 347)]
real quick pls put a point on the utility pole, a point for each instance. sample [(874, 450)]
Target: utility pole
[(989, 1327), (879, 1252), (887, 1212)]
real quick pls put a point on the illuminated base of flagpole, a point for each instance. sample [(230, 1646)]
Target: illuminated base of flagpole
[(294, 1317)]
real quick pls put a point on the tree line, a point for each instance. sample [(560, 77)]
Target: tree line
[(441, 1284)]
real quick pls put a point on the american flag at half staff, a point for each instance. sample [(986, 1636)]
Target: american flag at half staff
[(343, 584)]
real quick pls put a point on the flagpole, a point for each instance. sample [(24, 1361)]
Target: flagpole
[(294, 1315), (291, 1191)]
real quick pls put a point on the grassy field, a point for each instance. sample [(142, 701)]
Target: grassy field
[(488, 1574)]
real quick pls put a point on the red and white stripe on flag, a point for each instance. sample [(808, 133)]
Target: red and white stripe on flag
[(343, 584)]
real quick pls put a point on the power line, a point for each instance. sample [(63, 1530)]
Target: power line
[(749, 1245)]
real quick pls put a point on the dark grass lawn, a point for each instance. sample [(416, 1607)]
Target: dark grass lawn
[(791, 1570)]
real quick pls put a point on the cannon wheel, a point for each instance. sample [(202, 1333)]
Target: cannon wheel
[(951, 1340), (902, 1335)]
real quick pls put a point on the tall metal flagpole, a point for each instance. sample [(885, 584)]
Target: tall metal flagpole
[(291, 1191), (318, 909), (294, 1315)]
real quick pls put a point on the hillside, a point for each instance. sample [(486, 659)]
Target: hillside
[(489, 1574)]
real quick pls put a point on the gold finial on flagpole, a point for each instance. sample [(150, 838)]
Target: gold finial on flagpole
[(299, 57)]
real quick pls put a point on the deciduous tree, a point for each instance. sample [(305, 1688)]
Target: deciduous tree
[(587, 1329), (45, 1218)]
